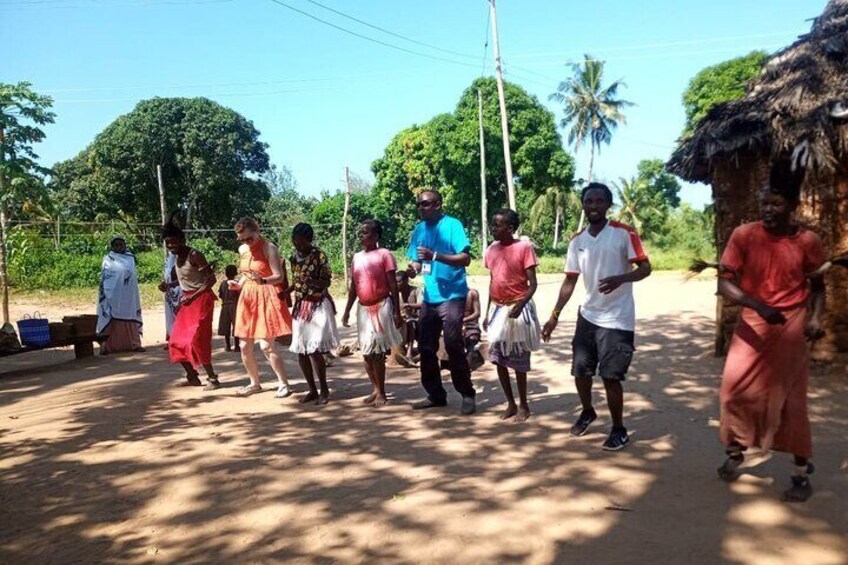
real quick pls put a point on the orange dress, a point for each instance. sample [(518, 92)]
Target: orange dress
[(261, 313)]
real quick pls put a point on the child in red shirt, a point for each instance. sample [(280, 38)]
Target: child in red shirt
[(378, 318), (513, 328)]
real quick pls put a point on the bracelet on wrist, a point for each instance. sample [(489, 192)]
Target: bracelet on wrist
[(435, 255), (555, 314)]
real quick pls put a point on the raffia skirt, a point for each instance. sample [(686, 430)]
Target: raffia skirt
[(376, 327), (315, 328), (511, 340)]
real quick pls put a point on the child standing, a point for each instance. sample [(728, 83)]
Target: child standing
[(229, 299), (378, 318), (513, 327), (314, 313)]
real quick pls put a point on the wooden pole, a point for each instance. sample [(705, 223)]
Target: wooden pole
[(4, 275), (510, 183), (483, 203), (163, 213), (344, 225), (161, 194)]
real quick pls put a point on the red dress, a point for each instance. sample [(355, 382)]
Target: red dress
[(261, 313)]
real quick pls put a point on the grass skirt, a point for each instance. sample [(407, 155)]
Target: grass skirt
[(376, 327), (315, 328)]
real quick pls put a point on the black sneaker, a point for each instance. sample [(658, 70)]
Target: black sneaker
[(617, 440), (582, 424)]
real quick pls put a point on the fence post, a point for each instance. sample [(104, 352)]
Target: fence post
[(344, 225)]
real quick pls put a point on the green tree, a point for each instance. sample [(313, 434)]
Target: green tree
[(591, 111), (286, 206), (652, 173), (719, 83), (22, 113), (444, 154), (640, 207), (561, 203), (210, 155)]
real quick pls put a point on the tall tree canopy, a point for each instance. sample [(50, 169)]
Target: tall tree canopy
[(211, 157), (591, 110), (719, 83), (22, 112), (444, 154)]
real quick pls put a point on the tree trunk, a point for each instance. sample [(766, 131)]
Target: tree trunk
[(588, 180), (4, 275), (556, 226)]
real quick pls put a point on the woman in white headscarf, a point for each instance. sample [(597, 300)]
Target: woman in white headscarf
[(119, 304)]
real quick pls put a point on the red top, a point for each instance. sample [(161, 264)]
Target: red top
[(370, 271), (508, 264), (773, 269)]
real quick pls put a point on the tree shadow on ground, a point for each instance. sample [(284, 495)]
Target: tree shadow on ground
[(104, 461)]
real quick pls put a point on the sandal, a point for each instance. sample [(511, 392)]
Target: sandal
[(249, 390), (283, 391)]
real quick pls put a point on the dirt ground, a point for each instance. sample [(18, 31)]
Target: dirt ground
[(103, 460)]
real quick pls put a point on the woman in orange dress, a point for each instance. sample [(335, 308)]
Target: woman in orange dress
[(261, 315)]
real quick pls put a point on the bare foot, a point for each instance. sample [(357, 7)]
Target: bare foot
[(510, 411), (523, 414), (370, 398), (379, 400), (310, 396)]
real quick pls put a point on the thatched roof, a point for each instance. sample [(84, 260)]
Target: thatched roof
[(797, 106)]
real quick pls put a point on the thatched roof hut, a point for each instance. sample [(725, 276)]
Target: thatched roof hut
[(796, 109)]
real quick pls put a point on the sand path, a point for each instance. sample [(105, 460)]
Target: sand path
[(103, 460)]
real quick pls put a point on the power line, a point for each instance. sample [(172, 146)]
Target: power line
[(371, 39), (654, 45), (389, 32)]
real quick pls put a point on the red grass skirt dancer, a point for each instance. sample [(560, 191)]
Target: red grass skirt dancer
[(191, 337)]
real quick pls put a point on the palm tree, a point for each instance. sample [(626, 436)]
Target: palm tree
[(556, 200), (591, 110), (636, 203)]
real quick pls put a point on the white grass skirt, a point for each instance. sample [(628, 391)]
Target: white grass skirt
[(318, 334), (376, 327), (514, 336)]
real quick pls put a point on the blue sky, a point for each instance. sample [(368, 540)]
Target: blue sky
[(324, 99)]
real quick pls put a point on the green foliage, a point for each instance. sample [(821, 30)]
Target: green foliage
[(213, 253), (591, 111), (658, 181), (444, 154), (719, 83), (286, 206), (209, 156), (22, 112)]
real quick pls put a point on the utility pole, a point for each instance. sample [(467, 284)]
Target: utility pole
[(504, 127), (344, 225), (483, 204), (162, 211), (4, 275)]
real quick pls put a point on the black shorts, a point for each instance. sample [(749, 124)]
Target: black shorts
[(605, 351)]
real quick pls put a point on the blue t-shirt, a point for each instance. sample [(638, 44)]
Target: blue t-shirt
[(444, 281)]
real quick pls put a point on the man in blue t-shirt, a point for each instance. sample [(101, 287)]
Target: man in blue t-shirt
[(439, 251)]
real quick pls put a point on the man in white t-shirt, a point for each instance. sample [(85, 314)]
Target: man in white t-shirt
[(610, 257)]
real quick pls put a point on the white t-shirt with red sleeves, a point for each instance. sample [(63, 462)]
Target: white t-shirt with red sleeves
[(612, 252)]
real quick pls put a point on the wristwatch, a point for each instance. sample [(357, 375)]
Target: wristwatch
[(261, 280)]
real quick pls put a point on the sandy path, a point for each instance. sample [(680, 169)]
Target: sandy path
[(102, 460)]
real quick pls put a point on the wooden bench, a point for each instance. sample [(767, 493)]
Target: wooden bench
[(83, 346)]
